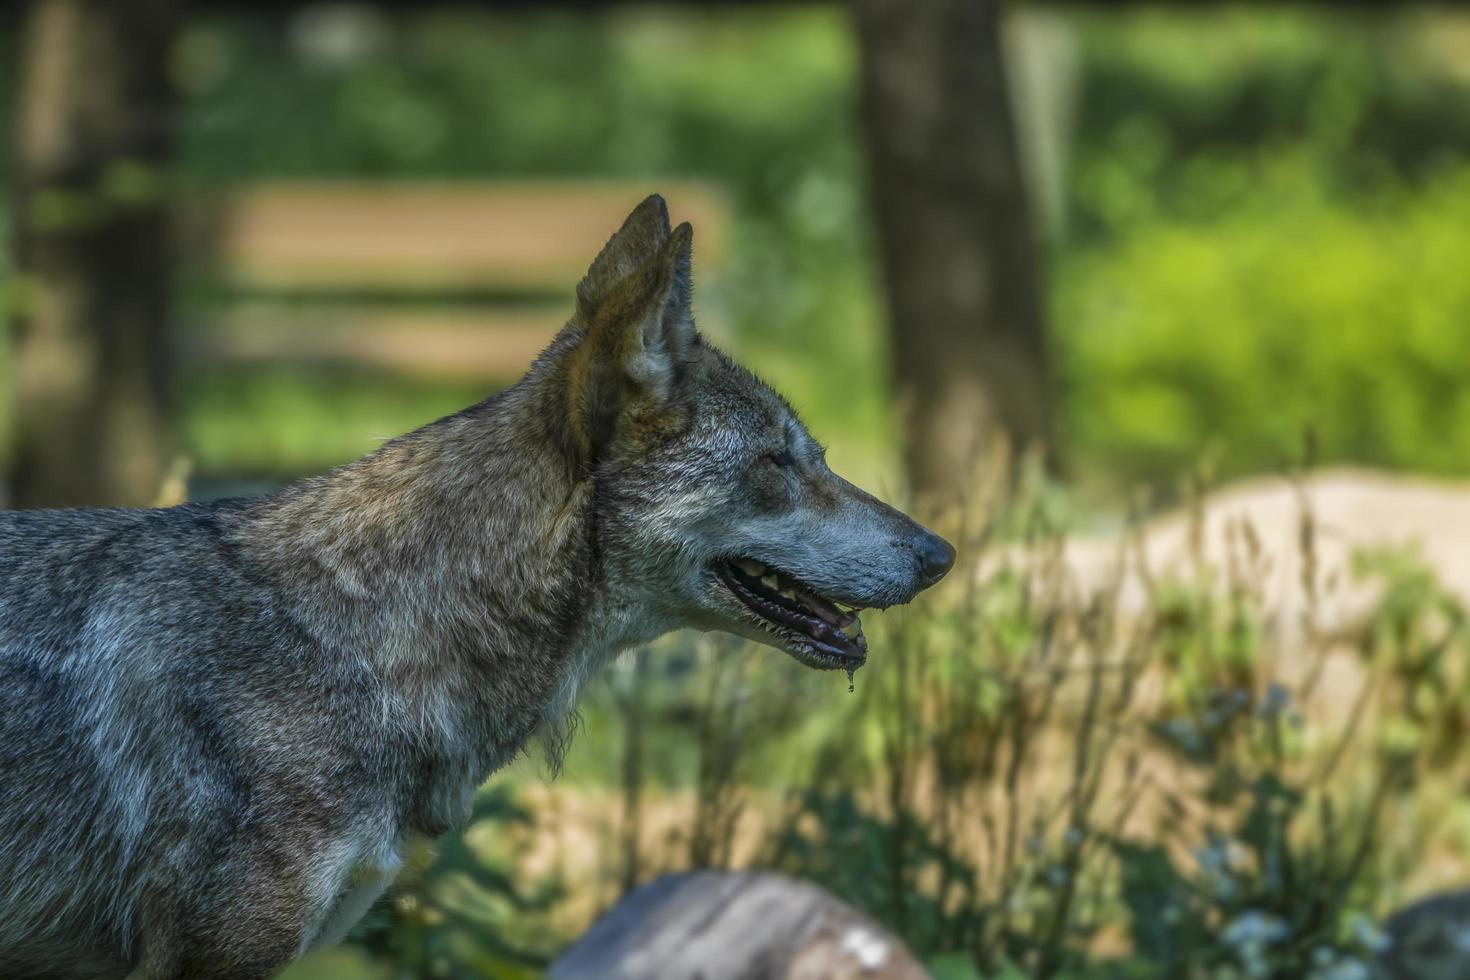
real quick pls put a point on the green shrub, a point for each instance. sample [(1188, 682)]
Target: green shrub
[(1230, 338)]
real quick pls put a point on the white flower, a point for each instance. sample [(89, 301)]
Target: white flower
[(1344, 970), (1253, 928), (1212, 858), (1369, 936), (1277, 700), (1183, 733)]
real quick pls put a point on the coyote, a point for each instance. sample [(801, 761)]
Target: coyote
[(220, 721)]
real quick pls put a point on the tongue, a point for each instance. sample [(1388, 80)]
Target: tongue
[(826, 612)]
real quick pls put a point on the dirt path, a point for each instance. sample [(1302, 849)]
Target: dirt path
[(1292, 543)]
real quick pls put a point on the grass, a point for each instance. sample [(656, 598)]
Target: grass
[(1027, 780)]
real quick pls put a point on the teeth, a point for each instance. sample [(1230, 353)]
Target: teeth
[(752, 568), (789, 594), (770, 581)]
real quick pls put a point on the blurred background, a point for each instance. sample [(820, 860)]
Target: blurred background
[(1048, 270)]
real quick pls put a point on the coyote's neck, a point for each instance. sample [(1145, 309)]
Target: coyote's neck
[(460, 562)]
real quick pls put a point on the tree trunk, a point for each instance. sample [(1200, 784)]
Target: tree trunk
[(92, 253), (959, 260)]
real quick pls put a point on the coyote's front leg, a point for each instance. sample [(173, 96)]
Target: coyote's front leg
[(353, 905), (247, 922)]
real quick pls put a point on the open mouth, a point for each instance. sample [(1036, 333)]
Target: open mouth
[(819, 630)]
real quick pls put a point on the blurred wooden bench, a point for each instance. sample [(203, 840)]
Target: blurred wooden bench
[(454, 279)]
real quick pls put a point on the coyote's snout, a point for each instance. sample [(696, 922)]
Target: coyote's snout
[(219, 722)]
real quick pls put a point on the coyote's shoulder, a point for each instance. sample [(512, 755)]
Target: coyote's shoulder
[(319, 672)]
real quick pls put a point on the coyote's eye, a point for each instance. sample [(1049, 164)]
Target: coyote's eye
[(782, 459)]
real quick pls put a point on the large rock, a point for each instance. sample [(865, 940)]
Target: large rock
[(714, 925), (1429, 940)]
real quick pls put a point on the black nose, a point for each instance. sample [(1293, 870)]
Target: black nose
[(936, 558)]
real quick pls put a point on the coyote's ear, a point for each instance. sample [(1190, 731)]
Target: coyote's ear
[(656, 341), (636, 344), (643, 233)]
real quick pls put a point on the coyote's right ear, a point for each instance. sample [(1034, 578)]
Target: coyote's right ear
[(638, 334), (639, 239)]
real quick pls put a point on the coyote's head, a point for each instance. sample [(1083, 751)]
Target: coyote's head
[(716, 507)]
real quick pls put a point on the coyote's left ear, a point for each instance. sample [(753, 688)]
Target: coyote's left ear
[(636, 344)]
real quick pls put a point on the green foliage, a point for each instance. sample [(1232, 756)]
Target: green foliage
[(1253, 901), (1231, 337), (1263, 234), (312, 416), (448, 919), (1264, 240), (852, 853), (762, 108), (1418, 638)]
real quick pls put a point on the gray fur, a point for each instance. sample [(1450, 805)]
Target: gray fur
[(220, 721)]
